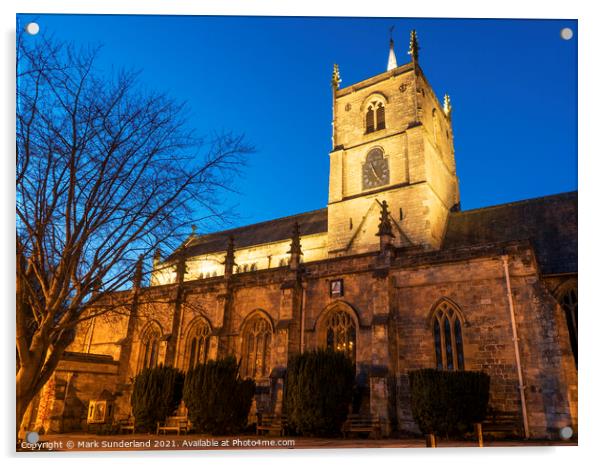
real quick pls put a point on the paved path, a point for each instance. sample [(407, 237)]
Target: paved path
[(88, 442)]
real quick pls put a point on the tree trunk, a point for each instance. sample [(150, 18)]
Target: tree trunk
[(30, 381), (25, 393)]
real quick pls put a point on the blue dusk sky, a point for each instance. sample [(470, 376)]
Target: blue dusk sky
[(513, 85)]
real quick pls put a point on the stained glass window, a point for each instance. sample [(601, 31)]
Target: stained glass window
[(198, 345), (447, 336), (438, 357), (341, 333), (459, 346), (149, 349), (257, 338)]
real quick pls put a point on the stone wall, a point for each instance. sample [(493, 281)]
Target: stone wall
[(391, 303), (63, 402), (477, 288)]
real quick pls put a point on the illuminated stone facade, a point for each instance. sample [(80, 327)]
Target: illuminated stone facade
[(391, 272)]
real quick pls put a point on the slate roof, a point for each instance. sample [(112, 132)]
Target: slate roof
[(259, 233), (550, 223)]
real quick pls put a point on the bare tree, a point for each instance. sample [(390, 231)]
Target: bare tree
[(106, 173)]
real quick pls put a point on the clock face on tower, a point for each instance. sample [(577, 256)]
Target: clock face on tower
[(375, 171)]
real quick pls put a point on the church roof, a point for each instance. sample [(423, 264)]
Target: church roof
[(550, 223), (271, 231)]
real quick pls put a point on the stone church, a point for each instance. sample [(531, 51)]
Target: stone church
[(391, 271)]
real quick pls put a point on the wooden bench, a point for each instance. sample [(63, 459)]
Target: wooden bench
[(360, 423), (177, 424), (271, 423), (127, 425), (502, 424)]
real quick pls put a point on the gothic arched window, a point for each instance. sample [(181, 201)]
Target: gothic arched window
[(341, 333), (370, 119), (380, 116), (149, 347), (375, 116), (447, 335), (198, 345), (256, 341), (568, 301)]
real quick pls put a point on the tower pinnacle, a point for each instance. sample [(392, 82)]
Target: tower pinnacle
[(336, 77), (414, 48), (229, 259), (392, 64), (385, 228), (447, 106), (295, 250)]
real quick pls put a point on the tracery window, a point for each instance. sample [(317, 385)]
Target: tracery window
[(370, 119), (198, 345), (341, 333), (380, 116), (447, 335), (568, 301), (149, 348), (375, 117), (256, 341)]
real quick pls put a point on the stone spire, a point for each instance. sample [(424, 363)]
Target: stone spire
[(181, 267), (157, 257), (336, 77), (392, 64), (335, 81), (414, 47), (295, 250), (229, 260), (385, 228), (447, 106)]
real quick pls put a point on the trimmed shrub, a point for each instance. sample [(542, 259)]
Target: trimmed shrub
[(156, 395), (318, 391), (448, 403), (218, 401)]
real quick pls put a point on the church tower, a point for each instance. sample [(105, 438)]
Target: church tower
[(392, 141)]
